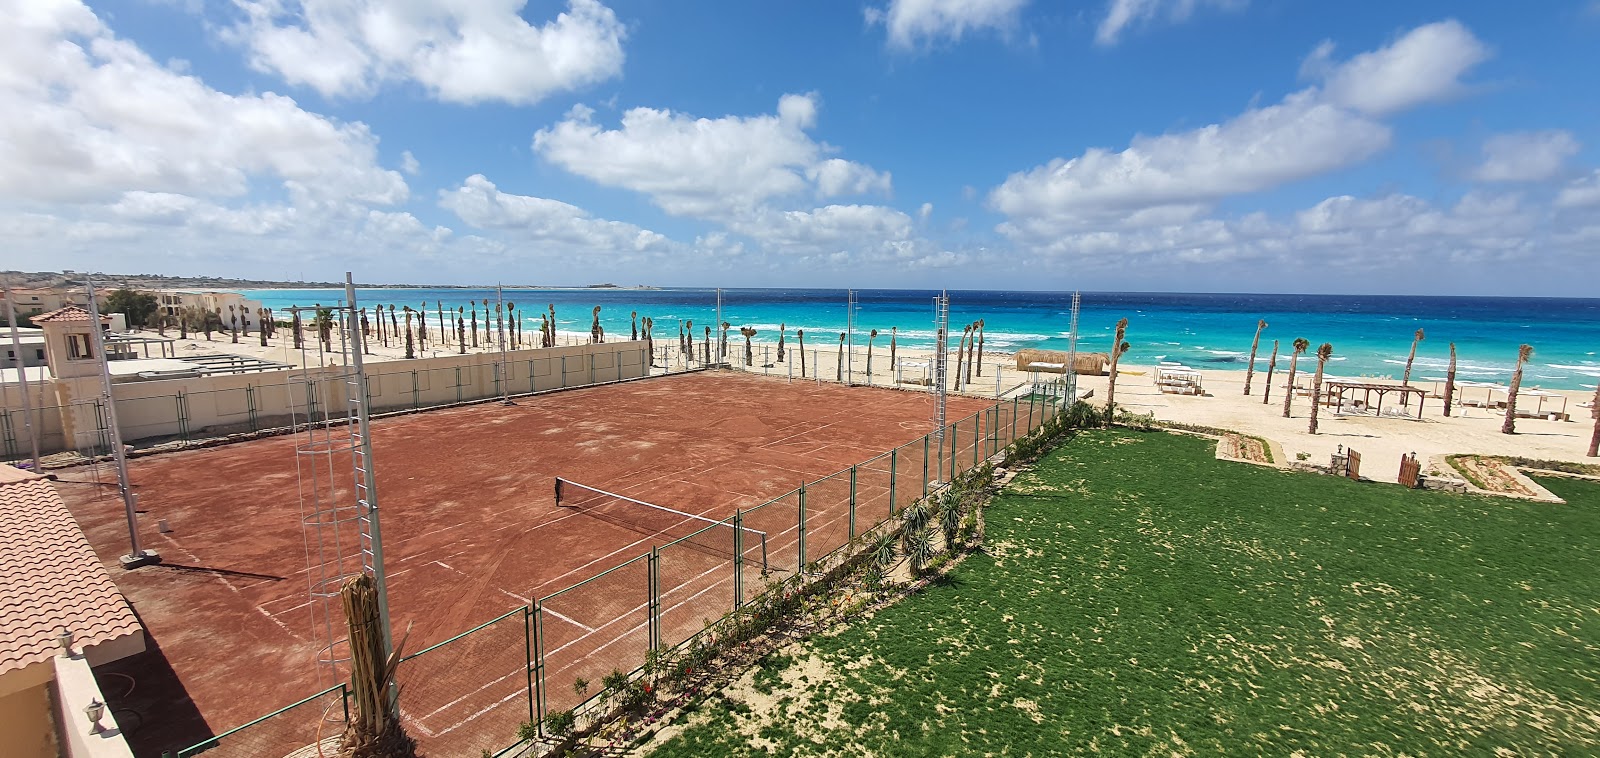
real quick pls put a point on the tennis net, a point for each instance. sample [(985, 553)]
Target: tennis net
[(720, 538)]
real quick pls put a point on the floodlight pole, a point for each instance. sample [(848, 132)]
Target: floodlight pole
[(850, 340), (505, 379), (941, 357), (22, 377), (136, 556), (369, 476)]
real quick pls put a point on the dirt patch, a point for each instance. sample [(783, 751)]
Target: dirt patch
[(1490, 474), (1240, 447)]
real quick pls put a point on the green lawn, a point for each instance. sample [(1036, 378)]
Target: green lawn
[(1142, 598)]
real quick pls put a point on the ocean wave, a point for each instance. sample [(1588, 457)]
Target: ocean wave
[(1235, 353)]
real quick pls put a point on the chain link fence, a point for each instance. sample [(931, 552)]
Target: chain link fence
[(318, 720)]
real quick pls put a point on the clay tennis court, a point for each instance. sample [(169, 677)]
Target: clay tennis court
[(471, 530)]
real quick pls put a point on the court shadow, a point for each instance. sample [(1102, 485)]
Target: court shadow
[(221, 572), (150, 704)]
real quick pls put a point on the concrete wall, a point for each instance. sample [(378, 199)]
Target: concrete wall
[(216, 405), (27, 726), (75, 687)]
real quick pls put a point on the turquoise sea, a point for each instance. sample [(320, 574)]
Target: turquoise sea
[(1370, 334)]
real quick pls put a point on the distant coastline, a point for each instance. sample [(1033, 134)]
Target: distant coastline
[(53, 279)]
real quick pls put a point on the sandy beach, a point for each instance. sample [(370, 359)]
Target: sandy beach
[(1380, 440)]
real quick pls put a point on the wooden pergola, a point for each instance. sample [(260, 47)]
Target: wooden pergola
[(1339, 390)]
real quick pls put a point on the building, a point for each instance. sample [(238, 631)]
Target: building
[(225, 304), (31, 344), (60, 615), (32, 301)]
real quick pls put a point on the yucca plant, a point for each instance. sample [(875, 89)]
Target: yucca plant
[(919, 550), (951, 513)]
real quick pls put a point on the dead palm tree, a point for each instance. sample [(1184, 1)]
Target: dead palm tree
[(781, 329), (233, 323), (410, 346), (1272, 365), (980, 362), (705, 346), (649, 341), (295, 328), (1301, 344), (749, 354), (801, 335), (894, 334), (597, 333), (1450, 382), (374, 729), (971, 344), (1250, 369), (838, 365), (1324, 352), (633, 316), (499, 325), (461, 329), (686, 339), (444, 326), (722, 343), (513, 326), (474, 314), (961, 350), (1405, 380), (872, 336), (1594, 410), (1524, 352), (382, 333), (422, 326), (552, 338), (394, 322), (1118, 347)]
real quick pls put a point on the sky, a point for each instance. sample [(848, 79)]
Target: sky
[(1130, 145)]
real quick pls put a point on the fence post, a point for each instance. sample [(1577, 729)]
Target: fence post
[(738, 557), (183, 415), (800, 564), (954, 429), (925, 447), (852, 502), (1031, 400), (1013, 419), (416, 392), (527, 650), (653, 579), (538, 664), (250, 401), (998, 370), (563, 370), (894, 465)]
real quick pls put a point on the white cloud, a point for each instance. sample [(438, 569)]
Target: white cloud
[(1526, 156), (1581, 193), (710, 168), (540, 220), (90, 116), (1424, 65), (1122, 14), (409, 164), (1175, 178), (925, 212), (914, 22), (462, 51), (827, 227)]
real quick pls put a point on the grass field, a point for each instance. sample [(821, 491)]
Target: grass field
[(1142, 598)]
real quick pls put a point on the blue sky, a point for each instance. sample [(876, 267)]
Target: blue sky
[(1194, 145)]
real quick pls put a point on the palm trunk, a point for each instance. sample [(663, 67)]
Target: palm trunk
[(1323, 353), (1509, 426), (894, 332), (981, 326), (961, 350), (801, 335), (1255, 344), (1405, 379), (1594, 410), (838, 366), (1288, 394), (410, 347), (1272, 365), (1111, 384), (869, 357), (972, 343), (374, 729), (781, 329), (1450, 382)]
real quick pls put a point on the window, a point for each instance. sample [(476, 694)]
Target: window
[(40, 352), (78, 347)]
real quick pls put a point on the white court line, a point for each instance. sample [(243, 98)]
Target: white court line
[(219, 577), (585, 627)]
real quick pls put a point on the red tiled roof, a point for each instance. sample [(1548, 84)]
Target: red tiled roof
[(50, 579), (69, 313)]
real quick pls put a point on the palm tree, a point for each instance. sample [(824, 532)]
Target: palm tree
[(1272, 365), (474, 322), (266, 324), (513, 333), (499, 325), (1301, 344), (597, 333), (649, 341), (552, 337), (1524, 352), (410, 347), (749, 355), (1118, 347), (394, 322), (633, 316), (1324, 352), (961, 350), (1405, 380), (422, 326), (1250, 370), (296, 326), (444, 326), (894, 333), (1450, 381), (801, 335), (722, 343), (838, 365), (781, 329), (461, 329), (233, 323), (686, 339), (705, 345), (979, 362), (872, 336), (971, 343)]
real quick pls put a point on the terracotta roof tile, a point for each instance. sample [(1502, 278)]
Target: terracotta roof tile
[(69, 313), (50, 579)]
